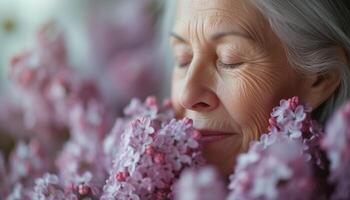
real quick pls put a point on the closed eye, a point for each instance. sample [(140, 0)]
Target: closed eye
[(229, 66), (183, 61), (184, 64)]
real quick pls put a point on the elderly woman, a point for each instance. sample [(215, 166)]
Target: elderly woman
[(235, 59)]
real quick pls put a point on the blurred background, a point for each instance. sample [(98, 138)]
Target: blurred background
[(55, 52)]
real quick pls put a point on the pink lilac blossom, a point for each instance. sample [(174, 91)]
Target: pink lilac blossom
[(39, 76), (48, 187), (26, 163), (50, 89), (202, 184), (19, 193), (3, 173), (84, 186), (280, 171), (88, 120), (136, 109), (77, 162), (153, 152), (82, 165), (337, 145), (293, 119)]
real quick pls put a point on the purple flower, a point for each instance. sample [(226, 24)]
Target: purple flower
[(27, 162), (139, 181), (83, 165), (19, 193), (279, 111), (51, 94), (293, 119), (337, 145), (154, 149), (202, 184), (177, 159), (49, 188), (137, 110), (276, 172)]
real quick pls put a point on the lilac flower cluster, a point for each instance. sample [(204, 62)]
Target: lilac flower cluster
[(48, 187), (49, 90), (78, 167), (279, 171), (293, 119), (153, 152), (87, 146), (134, 110), (41, 79), (26, 163), (337, 145), (203, 184)]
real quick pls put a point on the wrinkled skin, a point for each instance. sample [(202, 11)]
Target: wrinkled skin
[(229, 82)]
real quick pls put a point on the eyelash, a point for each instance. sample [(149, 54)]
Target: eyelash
[(184, 64), (218, 63), (183, 61), (227, 66)]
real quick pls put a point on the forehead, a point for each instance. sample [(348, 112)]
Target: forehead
[(208, 4), (187, 9), (220, 15)]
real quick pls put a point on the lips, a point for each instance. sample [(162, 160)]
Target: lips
[(209, 137)]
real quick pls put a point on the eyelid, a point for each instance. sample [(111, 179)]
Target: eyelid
[(219, 63), (182, 65), (183, 54), (183, 60)]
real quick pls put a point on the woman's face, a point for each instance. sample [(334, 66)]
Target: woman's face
[(231, 70)]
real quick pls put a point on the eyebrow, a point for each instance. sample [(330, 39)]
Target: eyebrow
[(215, 36)]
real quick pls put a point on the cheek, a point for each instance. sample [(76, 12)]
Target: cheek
[(250, 97)]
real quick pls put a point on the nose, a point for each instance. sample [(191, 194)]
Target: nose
[(197, 92)]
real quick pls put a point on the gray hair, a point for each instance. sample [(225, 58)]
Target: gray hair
[(313, 32)]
